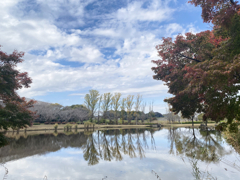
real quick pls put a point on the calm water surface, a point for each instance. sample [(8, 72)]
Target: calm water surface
[(141, 154)]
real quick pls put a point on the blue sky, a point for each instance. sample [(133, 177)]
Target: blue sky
[(72, 46)]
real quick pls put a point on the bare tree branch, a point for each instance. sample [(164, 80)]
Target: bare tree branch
[(188, 57)]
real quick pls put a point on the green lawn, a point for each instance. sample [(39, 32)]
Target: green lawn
[(195, 122)]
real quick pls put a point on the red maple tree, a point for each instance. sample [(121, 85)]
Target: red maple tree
[(13, 108), (202, 70)]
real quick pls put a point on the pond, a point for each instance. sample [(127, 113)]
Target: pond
[(125, 154)]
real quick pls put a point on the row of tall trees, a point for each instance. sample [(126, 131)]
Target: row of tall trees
[(202, 70), (125, 108)]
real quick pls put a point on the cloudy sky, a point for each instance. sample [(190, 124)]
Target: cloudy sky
[(72, 46)]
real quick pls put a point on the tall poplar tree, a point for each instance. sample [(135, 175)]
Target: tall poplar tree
[(91, 100), (116, 104)]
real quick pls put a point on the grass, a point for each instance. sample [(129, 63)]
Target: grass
[(162, 121), (196, 122), (44, 127), (107, 121)]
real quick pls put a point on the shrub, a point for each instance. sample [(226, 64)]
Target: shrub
[(233, 128), (221, 127), (102, 121), (68, 125), (151, 123), (55, 126), (88, 124)]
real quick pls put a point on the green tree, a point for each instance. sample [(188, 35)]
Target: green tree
[(91, 100)]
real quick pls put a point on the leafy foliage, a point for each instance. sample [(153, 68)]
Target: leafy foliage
[(13, 109), (91, 100), (202, 69), (233, 128), (221, 127), (218, 12)]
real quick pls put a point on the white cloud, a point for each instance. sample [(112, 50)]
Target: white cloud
[(54, 30), (156, 11), (174, 28), (86, 54)]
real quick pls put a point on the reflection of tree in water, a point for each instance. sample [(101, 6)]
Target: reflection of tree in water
[(90, 151), (112, 144), (39, 144), (152, 139), (197, 146), (107, 154), (130, 145), (116, 146), (140, 149), (106, 145), (205, 146)]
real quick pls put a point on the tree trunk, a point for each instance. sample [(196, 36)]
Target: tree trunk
[(128, 118), (192, 122), (122, 117), (116, 119), (136, 119)]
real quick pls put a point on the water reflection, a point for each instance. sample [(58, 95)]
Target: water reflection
[(107, 145), (112, 144), (205, 145), (174, 153)]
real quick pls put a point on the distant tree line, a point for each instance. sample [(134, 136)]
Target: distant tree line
[(47, 113), (96, 107), (114, 107)]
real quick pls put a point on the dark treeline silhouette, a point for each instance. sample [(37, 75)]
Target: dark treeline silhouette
[(133, 114), (106, 145)]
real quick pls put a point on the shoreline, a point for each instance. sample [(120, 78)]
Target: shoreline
[(81, 126)]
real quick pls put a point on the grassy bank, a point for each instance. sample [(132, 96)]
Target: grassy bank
[(163, 122), (44, 127)]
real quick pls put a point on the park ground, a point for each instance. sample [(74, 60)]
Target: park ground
[(162, 121)]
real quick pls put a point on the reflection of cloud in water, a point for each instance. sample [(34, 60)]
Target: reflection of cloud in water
[(68, 162)]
